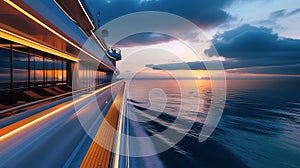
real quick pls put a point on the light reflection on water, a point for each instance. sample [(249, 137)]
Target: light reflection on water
[(260, 126)]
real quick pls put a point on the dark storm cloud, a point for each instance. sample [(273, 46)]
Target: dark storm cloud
[(286, 69), (212, 65), (248, 46), (256, 46), (204, 13), (144, 39), (151, 38)]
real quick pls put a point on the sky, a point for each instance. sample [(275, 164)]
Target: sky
[(251, 38)]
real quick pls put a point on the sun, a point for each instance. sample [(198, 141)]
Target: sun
[(199, 77)]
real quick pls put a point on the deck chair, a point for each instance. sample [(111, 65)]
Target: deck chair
[(58, 89), (2, 107), (69, 87), (51, 91), (33, 94)]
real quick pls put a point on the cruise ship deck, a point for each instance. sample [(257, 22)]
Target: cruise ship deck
[(60, 102), (53, 134)]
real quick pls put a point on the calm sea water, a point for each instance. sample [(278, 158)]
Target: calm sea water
[(260, 125)]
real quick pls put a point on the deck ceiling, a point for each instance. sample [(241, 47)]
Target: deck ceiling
[(75, 10), (20, 20), (18, 23)]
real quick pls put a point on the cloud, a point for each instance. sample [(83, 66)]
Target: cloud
[(151, 38), (282, 13), (296, 11), (256, 46), (286, 70), (204, 13), (142, 39), (248, 47), (197, 65), (276, 15)]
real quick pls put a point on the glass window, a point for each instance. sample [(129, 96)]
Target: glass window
[(32, 67), (20, 66), (64, 75), (49, 69), (5, 55), (58, 70), (39, 68)]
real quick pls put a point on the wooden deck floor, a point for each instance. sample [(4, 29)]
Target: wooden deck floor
[(99, 152)]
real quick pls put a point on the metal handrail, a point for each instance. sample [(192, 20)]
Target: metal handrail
[(120, 127)]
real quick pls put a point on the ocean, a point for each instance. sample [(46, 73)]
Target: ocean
[(259, 127)]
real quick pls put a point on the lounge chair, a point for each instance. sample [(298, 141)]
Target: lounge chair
[(58, 89), (69, 87), (51, 91), (33, 94), (2, 107)]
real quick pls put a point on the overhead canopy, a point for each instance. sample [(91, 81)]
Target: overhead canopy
[(75, 10), (22, 23)]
